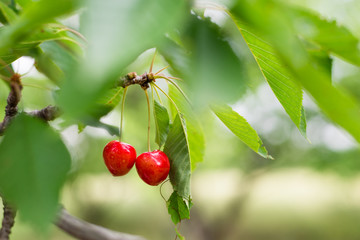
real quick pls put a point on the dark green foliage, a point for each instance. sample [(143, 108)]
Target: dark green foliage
[(33, 166)]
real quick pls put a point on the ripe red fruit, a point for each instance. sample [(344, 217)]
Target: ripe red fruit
[(119, 157), (153, 167)]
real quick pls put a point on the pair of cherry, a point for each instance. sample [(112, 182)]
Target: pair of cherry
[(152, 167)]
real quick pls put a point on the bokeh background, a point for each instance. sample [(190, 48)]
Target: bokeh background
[(310, 191)]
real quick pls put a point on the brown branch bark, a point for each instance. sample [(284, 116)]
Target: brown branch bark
[(132, 78), (7, 222), (12, 102), (86, 231), (48, 113)]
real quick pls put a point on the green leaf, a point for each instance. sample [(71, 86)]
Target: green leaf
[(32, 19), (162, 122), (48, 33), (103, 106), (178, 208), (24, 3), (210, 78), (178, 234), (277, 26), (174, 52), (33, 165), (287, 91), (321, 59), (56, 57), (328, 35), (176, 148), (194, 130), (107, 102), (17, 51), (112, 49), (241, 128), (302, 127), (46, 65), (7, 13), (112, 130)]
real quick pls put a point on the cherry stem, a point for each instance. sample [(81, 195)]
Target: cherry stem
[(35, 86), (162, 69), (76, 33), (152, 61), (157, 93), (176, 78), (122, 112), (172, 101), (148, 105), (152, 92), (177, 87), (161, 189)]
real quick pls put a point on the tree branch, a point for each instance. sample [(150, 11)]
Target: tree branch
[(86, 231), (132, 78), (7, 222), (12, 102), (48, 113)]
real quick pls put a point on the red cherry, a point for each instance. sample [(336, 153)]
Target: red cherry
[(119, 157), (153, 167)]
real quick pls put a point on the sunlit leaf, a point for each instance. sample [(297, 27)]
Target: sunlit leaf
[(46, 65), (277, 26), (178, 208), (176, 148), (32, 19), (162, 122), (7, 14), (33, 166), (194, 130), (287, 91), (241, 128), (302, 126), (17, 51), (329, 35), (48, 33)]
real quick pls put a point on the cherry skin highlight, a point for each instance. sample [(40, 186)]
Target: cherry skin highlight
[(119, 157), (153, 167)]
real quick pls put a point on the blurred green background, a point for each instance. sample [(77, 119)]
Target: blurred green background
[(311, 191)]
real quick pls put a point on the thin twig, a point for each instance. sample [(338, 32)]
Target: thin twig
[(48, 113)]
